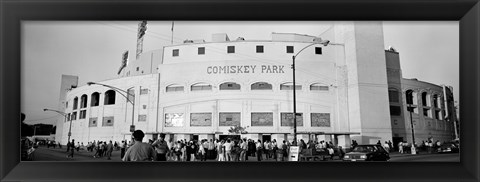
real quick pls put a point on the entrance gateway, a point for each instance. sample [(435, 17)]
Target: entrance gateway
[(231, 137)]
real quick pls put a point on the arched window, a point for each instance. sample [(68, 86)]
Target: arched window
[(83, 101), (229, 86), (95, 98), (75, 103), (393, 95), (411, 97), (425, 99), (319, 87), (261, 86), (411, 101), (201, 86), (436, 101), (109, 97), (289, 86), (174, 88)]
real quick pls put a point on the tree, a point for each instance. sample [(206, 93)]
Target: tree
[(26, 130), (237, 130)]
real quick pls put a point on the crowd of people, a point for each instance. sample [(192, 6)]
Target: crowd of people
[(228, 149)]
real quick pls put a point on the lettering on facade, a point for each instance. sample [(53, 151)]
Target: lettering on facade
[(245, 69)]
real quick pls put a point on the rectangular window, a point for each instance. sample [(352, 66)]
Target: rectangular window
[(201, 87), (290, 87), (83, 114), (144, 91), (287, 119), (138, 68), (201, 119), (175, 89), (320, 119), (69, 117), (395, 110), (318, 50), (144, 106), (107, 121), (289, 49), (66, 104), (319, 87), (393, 96), (229, 119), (142, 117), (262, 119), (201, 51), (92, 122), (230, 49), (259, 49), (175, 52), (174, 119)]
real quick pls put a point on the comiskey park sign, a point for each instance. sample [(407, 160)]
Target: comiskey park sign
[(236, 69)]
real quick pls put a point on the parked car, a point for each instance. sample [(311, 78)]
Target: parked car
[(448, 147), (367, 153)]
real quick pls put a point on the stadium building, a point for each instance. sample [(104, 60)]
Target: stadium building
[(348, 87)]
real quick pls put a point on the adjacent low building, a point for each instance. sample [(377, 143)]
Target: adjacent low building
[(347, 88)]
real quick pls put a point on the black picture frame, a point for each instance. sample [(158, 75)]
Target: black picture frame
[(467, 12)]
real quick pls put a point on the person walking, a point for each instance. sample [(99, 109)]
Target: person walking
[(341, 152), (211, 150), (259, 148), (386, 146), (109, 150), (123, 147), (390, 146), (244, 147), (139, 151), (201, 150), (400, 147), (221, 151), (70, 154), (161, 147), (228, 150)]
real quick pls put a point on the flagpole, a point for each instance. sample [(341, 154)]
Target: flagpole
[(172, 33)]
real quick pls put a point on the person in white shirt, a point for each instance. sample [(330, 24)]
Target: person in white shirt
[(386, 146), (228, 150), (244, 147), (221, 151), (259, 147), (400, 147)]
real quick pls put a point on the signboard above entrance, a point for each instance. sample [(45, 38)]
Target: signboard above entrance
[(245, 69)]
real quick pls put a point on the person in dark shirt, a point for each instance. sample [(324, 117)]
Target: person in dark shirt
[(140, 151), (161, 147)]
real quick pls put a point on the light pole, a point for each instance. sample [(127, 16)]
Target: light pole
[(315, 41), (410, 110), (65, 119), (124, 94)]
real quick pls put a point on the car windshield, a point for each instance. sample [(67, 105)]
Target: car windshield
[(363, 149)]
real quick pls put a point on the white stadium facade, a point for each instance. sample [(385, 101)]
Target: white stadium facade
[(347, 88)]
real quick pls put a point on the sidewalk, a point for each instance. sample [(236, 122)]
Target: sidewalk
[(397, 154)]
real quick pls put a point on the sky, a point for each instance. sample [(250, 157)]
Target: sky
[(92, 50)]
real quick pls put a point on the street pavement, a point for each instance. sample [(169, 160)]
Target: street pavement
[(55, 154)]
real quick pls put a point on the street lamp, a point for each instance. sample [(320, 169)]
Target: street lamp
[(410, 110), (315, 41), (65, 119), (124, 94)]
